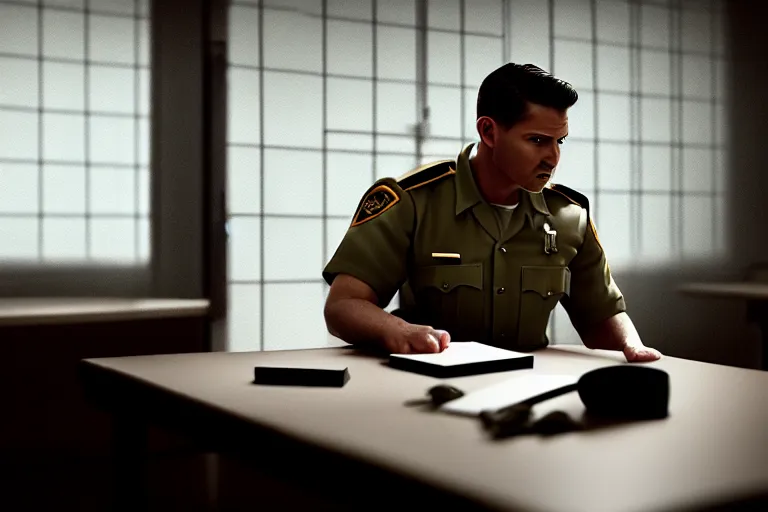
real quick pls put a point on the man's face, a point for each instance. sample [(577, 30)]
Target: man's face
[(528, 152)]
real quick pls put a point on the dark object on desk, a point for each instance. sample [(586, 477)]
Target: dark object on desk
[(507, 422), (443, 393), (285, 376), (619, 392), (437, 396), (516, 420), (626, 392), (556, 422)]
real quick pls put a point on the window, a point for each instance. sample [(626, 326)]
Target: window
[(649, 128), (74, 132), (652, 113), (326, 97), (310, 130)]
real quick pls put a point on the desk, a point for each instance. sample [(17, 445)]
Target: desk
[(360, 445), (756, 295)]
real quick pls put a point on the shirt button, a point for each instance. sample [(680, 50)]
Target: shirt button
[(445, 286), (503, 249), (500, 290)]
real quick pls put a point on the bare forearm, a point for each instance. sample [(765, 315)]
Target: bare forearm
[(614, 333), (359, 321)]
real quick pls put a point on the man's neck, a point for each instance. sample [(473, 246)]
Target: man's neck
[(494, 186)]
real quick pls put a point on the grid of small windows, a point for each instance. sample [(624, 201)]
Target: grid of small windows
[(328, 95), (323, 101), (648, 136), (74, 131), (648, 140)]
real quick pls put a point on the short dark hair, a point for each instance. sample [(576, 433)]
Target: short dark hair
[(505, 93)]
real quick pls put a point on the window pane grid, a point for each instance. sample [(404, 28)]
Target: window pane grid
[(647, 47), (682, 189), (641, 112), (65, 60), (91, 85), (379, 21), (604, 91), (694, 111), (64, 111), (92, 6)]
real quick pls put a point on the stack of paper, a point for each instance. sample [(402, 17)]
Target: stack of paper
[(511, 391), (462, 358)]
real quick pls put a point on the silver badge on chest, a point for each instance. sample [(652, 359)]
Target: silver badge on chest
[(550, 239)]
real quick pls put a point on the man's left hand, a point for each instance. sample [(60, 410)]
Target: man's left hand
[(641, 354)]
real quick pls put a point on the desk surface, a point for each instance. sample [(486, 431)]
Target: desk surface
[(713, 447), (29, 311), (735, 290)]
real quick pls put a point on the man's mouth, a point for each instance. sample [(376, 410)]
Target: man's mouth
[(546, 171)]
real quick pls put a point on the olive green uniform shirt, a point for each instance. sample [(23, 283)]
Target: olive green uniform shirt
[(431, 235)]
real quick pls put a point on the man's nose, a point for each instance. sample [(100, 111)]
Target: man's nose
[(553, 156), (551, 159)]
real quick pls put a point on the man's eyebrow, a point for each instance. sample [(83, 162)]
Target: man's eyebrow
[(544, 136)]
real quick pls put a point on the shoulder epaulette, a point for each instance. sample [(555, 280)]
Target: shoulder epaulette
[(572, 195), (579, 199), (427, 173)]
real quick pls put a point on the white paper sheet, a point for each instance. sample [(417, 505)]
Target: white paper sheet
[(464, 352), (511, 391)]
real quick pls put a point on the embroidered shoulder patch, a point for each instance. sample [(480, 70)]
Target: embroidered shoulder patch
[(378, 200)]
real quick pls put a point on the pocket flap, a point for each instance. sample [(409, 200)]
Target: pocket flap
[(547, 281), (447, 277)]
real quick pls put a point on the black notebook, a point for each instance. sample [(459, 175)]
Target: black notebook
[(300, 376), (462, 358)]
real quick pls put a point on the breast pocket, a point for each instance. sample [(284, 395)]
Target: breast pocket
[(450, 297), (540, 291)]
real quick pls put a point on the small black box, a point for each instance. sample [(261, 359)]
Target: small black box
[(286, 376)]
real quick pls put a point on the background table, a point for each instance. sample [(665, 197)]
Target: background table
[(55, 448), (360, 445), (754, 293), (80, 310)]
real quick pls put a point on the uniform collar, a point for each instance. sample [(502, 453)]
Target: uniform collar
[(468, 195), (538, 202)]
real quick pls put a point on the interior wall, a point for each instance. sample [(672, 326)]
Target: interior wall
[(706, 329), (749, 125)]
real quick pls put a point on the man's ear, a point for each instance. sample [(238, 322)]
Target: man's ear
[(487, 129)]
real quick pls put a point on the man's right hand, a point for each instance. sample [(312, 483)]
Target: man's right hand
[(417, 339), (353, 315)]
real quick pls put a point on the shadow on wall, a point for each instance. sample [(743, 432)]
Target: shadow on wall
[(703, 329)]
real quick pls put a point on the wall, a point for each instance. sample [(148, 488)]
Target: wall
[(715, 330), (309, 131)]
